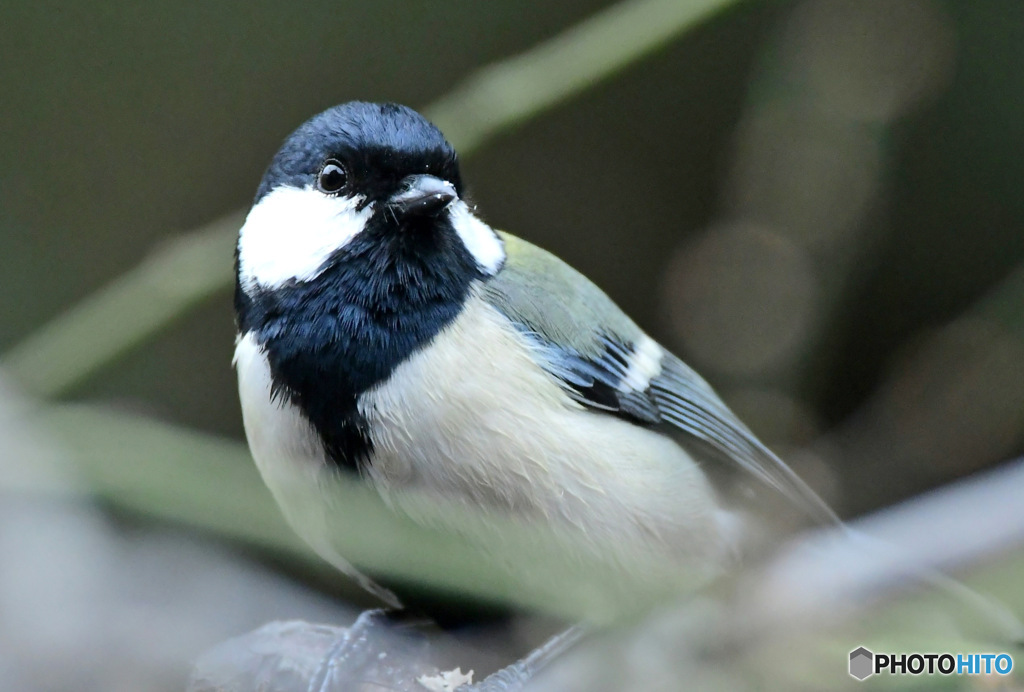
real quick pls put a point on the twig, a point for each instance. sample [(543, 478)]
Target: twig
[(499, 96)]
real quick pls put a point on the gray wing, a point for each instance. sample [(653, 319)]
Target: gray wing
[(605, 362)]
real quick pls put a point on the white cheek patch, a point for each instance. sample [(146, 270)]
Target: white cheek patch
[(291, 232), (480, 239), (644, 365)]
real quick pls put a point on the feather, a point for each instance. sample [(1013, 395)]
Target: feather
[(606, 363)]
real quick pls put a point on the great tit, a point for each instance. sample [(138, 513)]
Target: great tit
[(388, 334)]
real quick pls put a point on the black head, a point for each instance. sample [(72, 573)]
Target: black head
[(361, 176), (358, 251), (377, 146)]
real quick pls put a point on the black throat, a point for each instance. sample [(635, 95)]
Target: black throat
[(380, 299)]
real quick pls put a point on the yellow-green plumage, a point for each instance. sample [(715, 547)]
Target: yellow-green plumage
[(540, 291)]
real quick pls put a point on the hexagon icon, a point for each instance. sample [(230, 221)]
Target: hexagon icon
[(862, 663)]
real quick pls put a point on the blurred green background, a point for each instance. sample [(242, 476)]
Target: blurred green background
[(816, 204), (797, 198)]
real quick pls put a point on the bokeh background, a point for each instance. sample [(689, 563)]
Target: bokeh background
[(816, 204)]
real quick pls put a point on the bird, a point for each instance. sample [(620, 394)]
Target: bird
[(388, 336)]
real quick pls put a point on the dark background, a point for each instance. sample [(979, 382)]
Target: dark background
[(815, 205)]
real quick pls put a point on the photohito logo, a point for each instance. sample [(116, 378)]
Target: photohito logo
[(864, 664)]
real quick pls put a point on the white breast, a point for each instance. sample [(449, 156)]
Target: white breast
[(473, 416), (473, 419), (291, 460)]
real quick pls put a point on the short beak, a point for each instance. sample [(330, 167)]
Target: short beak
[(422, 195)]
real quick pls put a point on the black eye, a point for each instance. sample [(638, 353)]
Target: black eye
[(332, 177)]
